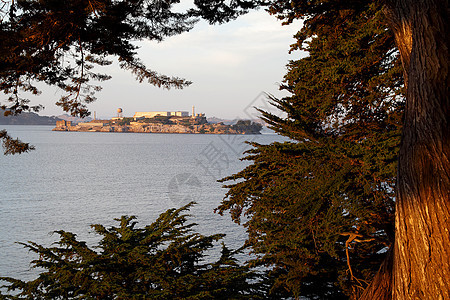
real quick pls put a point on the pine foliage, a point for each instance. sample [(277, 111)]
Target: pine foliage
[(164, 260), (13, 146), (60, 42), (319, 209)]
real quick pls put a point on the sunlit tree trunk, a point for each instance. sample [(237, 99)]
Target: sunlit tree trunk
[(419, 264)]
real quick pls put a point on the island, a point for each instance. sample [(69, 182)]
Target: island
[(161, 122)]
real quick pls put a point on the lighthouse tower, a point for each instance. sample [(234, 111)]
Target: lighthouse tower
[(193, 111)]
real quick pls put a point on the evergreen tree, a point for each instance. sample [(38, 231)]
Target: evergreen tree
[(13, 146), (164, 260), (60, 43), (320, 208), (418, 264)]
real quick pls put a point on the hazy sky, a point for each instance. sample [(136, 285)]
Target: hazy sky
[(230, 66)]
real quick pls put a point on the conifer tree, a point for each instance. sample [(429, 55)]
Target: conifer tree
[(418, 264), (60, 43), (320, 208), (164, 260)]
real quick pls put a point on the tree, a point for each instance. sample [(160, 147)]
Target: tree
[(13, 146), (320, 209), (125, 121), (164, 260), (247, 126), (418, 265), (60, 42)]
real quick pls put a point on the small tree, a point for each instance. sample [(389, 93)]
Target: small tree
[(125, 121), (164, 260), (247, 126)]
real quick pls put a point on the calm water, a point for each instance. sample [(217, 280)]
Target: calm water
[(74, 179)]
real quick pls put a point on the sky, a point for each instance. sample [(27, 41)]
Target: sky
[(231, 66)]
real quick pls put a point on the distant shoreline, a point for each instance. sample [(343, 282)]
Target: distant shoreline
[(33, 119), (241, 127)]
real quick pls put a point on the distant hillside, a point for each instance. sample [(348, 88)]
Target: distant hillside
[(215, 120), (28, 118), (74, 119)]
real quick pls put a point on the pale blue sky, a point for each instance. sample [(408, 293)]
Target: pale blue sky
[(230, 65)]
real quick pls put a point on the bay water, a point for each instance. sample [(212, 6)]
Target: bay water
[(75, 179)]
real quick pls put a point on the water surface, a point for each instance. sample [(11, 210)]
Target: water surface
[(74, 179)]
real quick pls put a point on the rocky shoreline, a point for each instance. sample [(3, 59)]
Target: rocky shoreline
[(241, 127)]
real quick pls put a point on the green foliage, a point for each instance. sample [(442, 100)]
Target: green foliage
[(157, 120), (125, 121), (221, 11), (161, 120), (319, 210), (164, 260), (246, 126)]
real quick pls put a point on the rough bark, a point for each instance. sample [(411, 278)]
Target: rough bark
[(421, 253), (381, 286)]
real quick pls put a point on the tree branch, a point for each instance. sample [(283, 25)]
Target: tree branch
[(13, 146)]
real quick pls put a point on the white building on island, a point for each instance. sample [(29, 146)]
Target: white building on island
[(152, 114)]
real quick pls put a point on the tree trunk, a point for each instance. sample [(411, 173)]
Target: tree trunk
[(421, 253)]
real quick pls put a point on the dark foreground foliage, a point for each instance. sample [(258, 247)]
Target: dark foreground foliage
[(65, 44), (60, 42), (13, 146), (319, 210), (164, 260)]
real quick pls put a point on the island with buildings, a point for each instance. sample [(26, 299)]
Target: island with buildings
[(161, 122)]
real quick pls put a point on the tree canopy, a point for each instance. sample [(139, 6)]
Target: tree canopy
[(60, 42), (164, 260), (65, 44), (417, 264), (320, 209)]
